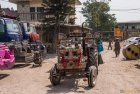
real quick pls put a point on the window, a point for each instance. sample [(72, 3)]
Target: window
[(32, 9), (1, 26), (133, 27), (39, 9), (126, 27), (32, 29), (12, 25), (138, 41), (137, 38), (39, 14), (25, 27), (36, 13)]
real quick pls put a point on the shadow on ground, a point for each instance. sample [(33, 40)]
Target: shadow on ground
[(68, 85), (18, 66), (137, 66), (124, 59), (35, 66), (49, 56), (2, 76)]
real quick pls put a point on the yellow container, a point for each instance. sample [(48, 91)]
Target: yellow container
[(131, 51)]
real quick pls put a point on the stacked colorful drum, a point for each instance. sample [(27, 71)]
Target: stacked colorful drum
[(131, 52)]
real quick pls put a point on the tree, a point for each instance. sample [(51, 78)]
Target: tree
[(96, 14), (55, 13)]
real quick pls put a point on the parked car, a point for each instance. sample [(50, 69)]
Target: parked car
[(132, 40)]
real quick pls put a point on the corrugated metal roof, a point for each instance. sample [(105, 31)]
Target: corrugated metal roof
[(9, 12), (129, 22), (70, 25)]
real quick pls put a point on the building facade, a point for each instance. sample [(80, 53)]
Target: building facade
[(130, 25), (31, 10), (130, 29)]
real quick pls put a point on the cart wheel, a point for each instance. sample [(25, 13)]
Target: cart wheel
[(93, 56), (38, 58), (93, 59), (55, 77), (92, 76)]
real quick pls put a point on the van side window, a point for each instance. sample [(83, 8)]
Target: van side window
[(1, 26), (139, 41), (32, 29)]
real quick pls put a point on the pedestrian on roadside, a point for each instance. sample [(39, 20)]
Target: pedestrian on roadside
[(100, 48), (48, 48), (110, 42), (117, 47)]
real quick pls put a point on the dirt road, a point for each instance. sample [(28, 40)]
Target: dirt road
[(116, 76)]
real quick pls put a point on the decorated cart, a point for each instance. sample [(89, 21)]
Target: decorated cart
[(77, 54)]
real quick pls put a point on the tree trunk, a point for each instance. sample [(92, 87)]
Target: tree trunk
[(55, 37)]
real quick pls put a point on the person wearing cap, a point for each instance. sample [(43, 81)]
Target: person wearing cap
[(117, 47)]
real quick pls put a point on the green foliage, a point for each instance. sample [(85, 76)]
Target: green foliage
[(96, 14), (56, 11)]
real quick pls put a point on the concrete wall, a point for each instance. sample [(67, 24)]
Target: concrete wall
[(131, 29), (23, 7), (130, 25), (36, 3)]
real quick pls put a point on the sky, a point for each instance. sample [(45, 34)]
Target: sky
[(122, 16)]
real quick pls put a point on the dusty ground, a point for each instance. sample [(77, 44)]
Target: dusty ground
[(116, 76)]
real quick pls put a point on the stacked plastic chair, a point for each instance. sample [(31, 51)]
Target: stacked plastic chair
[(7, 58)]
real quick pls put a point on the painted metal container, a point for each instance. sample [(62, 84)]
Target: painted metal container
[(131, 52)]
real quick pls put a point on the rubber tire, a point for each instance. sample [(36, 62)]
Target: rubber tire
[(53, 79), (40, 59), (92, 76), (93, 59)]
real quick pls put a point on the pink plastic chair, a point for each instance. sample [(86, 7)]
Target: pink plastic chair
[(7, 58)]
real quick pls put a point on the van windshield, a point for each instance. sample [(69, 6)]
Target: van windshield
[(12, 25)]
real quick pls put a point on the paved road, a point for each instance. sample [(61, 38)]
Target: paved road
[(116, 76)]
